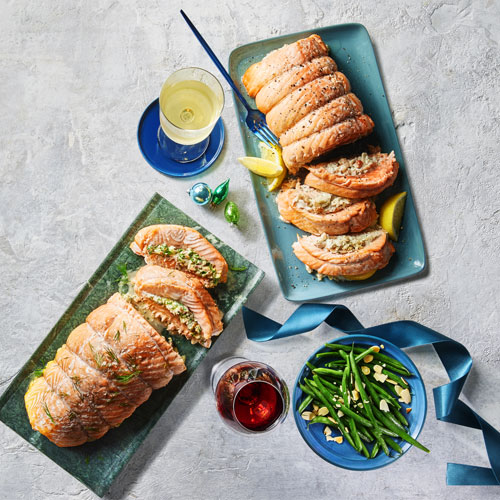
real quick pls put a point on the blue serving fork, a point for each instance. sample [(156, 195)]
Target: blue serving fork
[(255, 120)]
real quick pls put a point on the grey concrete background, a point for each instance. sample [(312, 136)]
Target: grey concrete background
[(75, 78)]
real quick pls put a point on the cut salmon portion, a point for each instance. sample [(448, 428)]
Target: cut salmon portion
[(49, 415), (306, 99), (346, 255), (305, 150), (278, 61), (297, 76), (182, 248), (177, 294), (364, 175), (113, 402), (318, 212), (78, 405), (336, 111)]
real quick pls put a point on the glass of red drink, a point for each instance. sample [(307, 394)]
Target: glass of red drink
[(251, 397)]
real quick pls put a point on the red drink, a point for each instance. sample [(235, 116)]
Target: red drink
[(251, 397)]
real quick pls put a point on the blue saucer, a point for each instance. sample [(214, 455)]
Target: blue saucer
[(343, 455), (148, 144)]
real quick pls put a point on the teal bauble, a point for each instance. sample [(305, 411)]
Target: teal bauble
[(200, 193)]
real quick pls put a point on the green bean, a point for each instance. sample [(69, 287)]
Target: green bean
[(400, 417), (322, 420), (306, 389), (328, 371), (375, 449), (366, 404), (390, 399), (395, 446), (307, 401), (310, 366), (326, 353), (321, 394), (332, 387), (396, 378), (345, 375), (364, 449), (404, 435), (354, 434), (364, 353)]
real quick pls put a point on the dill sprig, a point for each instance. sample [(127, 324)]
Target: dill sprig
[(237, 269), (117, 336), (111, 355), (47, 412), (122, 268), (98, 357), (37, 373), (125, 379)]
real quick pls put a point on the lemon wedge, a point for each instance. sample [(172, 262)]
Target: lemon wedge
[(274, 155), (261, 166), (360, 277), (391, 214)]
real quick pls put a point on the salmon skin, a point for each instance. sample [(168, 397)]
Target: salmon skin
[(305, 150), (306, 99), (365, 175), (318, 212), (108, 366), (297, 76), (346, 255), (281, 60), (181, 248), (180, 302)]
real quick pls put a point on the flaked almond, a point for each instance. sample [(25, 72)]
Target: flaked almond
[(404, 380), (377, 369), (408, 410), (383, 405), (330, 438), (338, 439), (331, 420), (382, 346), (380, 377), (365, 370), (323, 411), (398, 389), (355, 395), (308, 415), (368, 358), (340, 413), (393, 382), (315, 408), (376, 348), (327, 431), (405, 396)]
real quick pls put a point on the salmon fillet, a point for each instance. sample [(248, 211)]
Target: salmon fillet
[(336, 111), (317, 212), (278, 61), (305, 150), (305, 99), (180, 247), (297, 76), (108, 366), (346, 255), (365, 175), (181, 296)]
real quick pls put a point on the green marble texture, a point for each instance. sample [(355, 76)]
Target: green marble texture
[(98, 463)]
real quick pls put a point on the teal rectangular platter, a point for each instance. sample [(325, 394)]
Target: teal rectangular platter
[(98, 463), (351, 48)]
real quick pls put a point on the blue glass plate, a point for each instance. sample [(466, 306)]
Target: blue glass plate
[(343, 455), (352, 50), (148, 144)]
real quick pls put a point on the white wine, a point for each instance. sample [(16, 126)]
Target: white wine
[(189, 108)]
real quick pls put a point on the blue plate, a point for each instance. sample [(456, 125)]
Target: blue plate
[(148, 144), (343, 455), (351, 48)]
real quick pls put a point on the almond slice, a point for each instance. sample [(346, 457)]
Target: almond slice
[(368, 358), (377, 369), (365, 370), (323, 411), (408, 410), (355, 395), (383, 405), (308, 415), (327, 431), (330, 438), (338, 439), (380, 377), (398, 389), (405, 396)]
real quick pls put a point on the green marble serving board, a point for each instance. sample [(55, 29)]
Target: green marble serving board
[(98, 463)]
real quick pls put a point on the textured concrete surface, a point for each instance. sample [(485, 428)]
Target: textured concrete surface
[(75, 78)]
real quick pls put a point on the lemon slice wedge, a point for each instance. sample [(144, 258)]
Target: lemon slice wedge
[(274, 155), (391, 214), (260, 166), (360, 277)]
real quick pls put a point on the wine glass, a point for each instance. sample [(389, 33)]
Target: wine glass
[(191, 102), (251, 397)]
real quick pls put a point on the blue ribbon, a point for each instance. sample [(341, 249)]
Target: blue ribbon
[(454, 356)]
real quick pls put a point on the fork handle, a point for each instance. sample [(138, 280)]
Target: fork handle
[(216, 61)]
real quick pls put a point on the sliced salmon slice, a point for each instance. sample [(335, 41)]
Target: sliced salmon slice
[(305, 150), (318, 212), (364, 175), (278, 61), (164, 286), (333, 112), (306, 99), (345, 255), (297, 76), (180, 247)]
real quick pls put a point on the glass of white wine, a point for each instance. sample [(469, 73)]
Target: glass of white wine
[(191, 102)]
